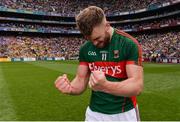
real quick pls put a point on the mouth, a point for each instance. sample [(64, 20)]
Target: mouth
[(100, 45)]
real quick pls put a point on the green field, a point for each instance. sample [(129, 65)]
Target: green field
[(27, 92)]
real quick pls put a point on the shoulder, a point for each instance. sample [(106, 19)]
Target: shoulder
[(129, 42), (86, 45), (127, 37), (132, 47)]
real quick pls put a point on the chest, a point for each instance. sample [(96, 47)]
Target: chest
[(105, 55), (111, 62)]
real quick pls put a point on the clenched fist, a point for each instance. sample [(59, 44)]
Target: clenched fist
[(62, 83), (97, 80)]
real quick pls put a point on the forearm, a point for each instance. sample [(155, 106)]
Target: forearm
[(126, 88), (78, 86)]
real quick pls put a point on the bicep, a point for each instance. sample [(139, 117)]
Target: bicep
[(135, 72), (82, 77), (79, 83), (83, 72), (135, 75)]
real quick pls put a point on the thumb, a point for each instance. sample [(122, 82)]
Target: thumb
[(66, 78), (65, 75), (95, 74)]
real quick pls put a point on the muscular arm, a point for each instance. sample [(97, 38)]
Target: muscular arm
[(79, 83), (129, 87)]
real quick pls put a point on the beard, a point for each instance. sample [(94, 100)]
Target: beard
[(105, 42)]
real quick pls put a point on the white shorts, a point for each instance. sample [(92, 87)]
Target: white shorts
[(131, 115)]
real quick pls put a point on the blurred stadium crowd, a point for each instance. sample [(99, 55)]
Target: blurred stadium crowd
[(159, 45), (72, 7), (153, 24), (165, 45), (39, 47), (155, 45), (137, 26)]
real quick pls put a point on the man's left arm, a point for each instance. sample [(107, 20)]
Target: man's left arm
[(129, 87)]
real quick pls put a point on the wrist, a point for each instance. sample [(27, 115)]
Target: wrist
[(74, 91), (105, 86)]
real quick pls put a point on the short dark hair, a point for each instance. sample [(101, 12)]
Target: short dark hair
[(88, 18)]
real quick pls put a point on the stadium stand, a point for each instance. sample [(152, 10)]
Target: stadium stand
[(154, 45), (39, 47), (133, 26), (71, 7), (23, 34), (160, 46)]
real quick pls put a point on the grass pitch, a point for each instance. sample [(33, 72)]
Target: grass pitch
[(27, 92)]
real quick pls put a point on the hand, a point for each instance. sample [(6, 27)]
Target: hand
[(97, 81), (62, 83)]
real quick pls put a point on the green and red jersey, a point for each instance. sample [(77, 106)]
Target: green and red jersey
[(112, 60)]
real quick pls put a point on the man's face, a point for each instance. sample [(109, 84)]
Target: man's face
[(100, 36)]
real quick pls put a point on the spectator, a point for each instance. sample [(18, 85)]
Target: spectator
[(72, 7)]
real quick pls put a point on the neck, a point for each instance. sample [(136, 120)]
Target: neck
[(110, 31)]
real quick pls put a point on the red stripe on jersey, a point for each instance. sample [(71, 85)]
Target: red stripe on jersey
[(130, 62), (135, 41), (114, 69), (134, 101), (123, 105), (83, 63)]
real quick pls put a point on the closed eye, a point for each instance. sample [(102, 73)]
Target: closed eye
[(97, 38)]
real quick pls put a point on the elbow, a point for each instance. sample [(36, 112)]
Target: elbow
[(136, 91), (139, 89)]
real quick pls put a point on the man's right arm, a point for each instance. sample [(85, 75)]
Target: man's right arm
[(77, 85), (80, 82)]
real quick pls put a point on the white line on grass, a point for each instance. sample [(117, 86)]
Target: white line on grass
[(56, 66), (6, 108)]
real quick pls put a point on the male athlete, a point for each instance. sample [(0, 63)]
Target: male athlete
[(110, 62)]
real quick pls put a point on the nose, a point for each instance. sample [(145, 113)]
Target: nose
[(95, 42)]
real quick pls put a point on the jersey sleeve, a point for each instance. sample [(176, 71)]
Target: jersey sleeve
[(134, 53), (82, 56)]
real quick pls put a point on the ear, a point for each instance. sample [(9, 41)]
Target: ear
[(107, 26), (87, 37)]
